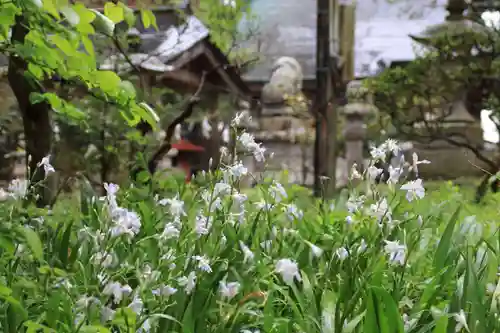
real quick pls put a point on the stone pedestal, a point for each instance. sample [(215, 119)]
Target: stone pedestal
[(358, 108), (449, 160)]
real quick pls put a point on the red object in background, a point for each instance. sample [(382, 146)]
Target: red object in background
[(183, 147)]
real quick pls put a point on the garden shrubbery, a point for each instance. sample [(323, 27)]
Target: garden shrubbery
[(209, 258)]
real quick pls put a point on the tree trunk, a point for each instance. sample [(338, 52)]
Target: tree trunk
[(36, 118)]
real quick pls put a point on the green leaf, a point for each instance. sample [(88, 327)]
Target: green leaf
[(63, 44), (89, 46), (16, 306), (33, 241), (114, 12), (148, 18), (51, 8), (94, 329), (107, 81), (391, 309), (445, 242), (351, 326), (85, 14), (64, 247), (35, 70)]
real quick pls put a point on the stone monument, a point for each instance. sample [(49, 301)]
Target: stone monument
[(285, 126)]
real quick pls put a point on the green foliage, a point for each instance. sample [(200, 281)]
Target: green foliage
[(372, 261)]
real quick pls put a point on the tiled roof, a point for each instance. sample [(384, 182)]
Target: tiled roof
[(288, 28)]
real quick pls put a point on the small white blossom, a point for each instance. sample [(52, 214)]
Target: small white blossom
[(175, 204), (396, 252), (47, 167), (373, 172), (206, 128), (277, 192), (137, 305), (355, 173), (316, 251), (342, 253), (4, 195), (170, 232), (362, 246), (125, 223), (104, 259), (293, 212), (188, 282), (107, 314), (354, 203), (381, 210), (378, 153), (229, 290), (394, 175), (289, 270), (461, 320), (416, 162), (202, 225), (247, 253), (203, 263), (117, 290), (18, 188), (164, 291), (414, 190)]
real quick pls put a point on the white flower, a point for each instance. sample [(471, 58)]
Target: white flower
[(47, 167), (293, 212), (117, 290), (226, 135), (415, 190), (277, 192), (203, 263), (229, 290), (107, 314), (18, 188), (247, 254), (170, 231), (316, 251), (354, 203), (342, 253), (394, 175), (175, 204), (125, 223), (373, 172), (396, 252), (104, 259), (231, 3), (461, 320), (237, 170), (206, 128), (355, 173), (378, 153), (188, 282), (391, 145), (381, 210), (289, 270), (178, 132), (3, 195), (85, 302), (221, 189), (362, 246), (416, 162), (202, 225), (164, 291), (137, 305), (248, 142), (240, 117), (264, 205)]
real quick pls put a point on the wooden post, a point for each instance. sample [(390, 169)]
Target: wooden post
[(323, 94)]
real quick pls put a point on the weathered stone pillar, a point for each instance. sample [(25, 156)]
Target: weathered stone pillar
[(359, 106)]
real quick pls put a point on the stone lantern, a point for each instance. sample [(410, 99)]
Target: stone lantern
[(359, 106)]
